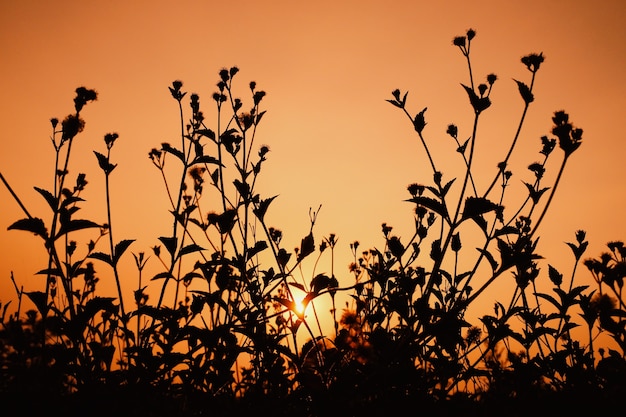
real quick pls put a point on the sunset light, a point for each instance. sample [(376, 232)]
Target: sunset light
[(342, 207)]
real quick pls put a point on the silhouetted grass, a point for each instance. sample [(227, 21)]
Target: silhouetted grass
[(221, 336)]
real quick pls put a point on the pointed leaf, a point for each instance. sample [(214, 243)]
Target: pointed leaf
[(52, 201), (120, 248), (489, 256), (262, 207), (33, 224), (206, 159), (170, 244), (258, 247), (525, 92), (207, 133), (166, 147), (39, 298), (307, 246), (74, 225), (105, 257), (189, 249), (430, 204)]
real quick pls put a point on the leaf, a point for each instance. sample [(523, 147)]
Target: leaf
[(555, 276), (395, 103), (162, 275), (105, 257), (120, 248), (206, 159), (479, 104), (74, 225), (258, 247), (525, 92), (33, 224), (446, 187), (52, 201), (189, 249), (419, 123), (243, 188), (207, 133), (431, 204), (39, 298), (262, 207), (170, 244), (320, 282), (104, 163), (307, 246), (166, 147), (535, 195), (551, 299), (476, 206), (461, 149), (506, 230), (489, 256), (50, 271)]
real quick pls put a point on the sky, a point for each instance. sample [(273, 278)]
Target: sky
[(328, 68)]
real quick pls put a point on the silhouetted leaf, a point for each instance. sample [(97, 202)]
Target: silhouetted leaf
[(446, 188), (243, 188), (52, 201), (419, 122), (56, 272), (435, 250), (105, 257), (262, 206), (489, 257), (551, 299), (431, 204), (206, 159), (461, 149), (226, 221), (94, 306), (506, 230), (555, 276), (307, 246), (40, 300), (104, 163), (395, 103), (578, 250), (479, 104), (207, 133), (120, 248), (170, 244), (258, 247), (75, 225), (33, 224), (535, 195), (525, 92), (162, 275), (166, 147), (476, 206), (320, 282), (189, 249)]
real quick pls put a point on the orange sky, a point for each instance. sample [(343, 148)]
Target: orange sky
[(328, 67)]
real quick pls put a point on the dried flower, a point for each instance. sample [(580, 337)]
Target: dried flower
[(71, 126), (83, 96), (533, 61), (459, 41)]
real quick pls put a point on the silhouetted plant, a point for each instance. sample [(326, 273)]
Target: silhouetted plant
[(222, 333)]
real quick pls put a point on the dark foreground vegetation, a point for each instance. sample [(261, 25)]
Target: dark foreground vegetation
[(218, 329)]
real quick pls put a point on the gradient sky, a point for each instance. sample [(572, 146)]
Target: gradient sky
[(328, 67)]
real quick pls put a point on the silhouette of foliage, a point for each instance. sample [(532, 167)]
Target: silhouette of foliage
[(223, 334)]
